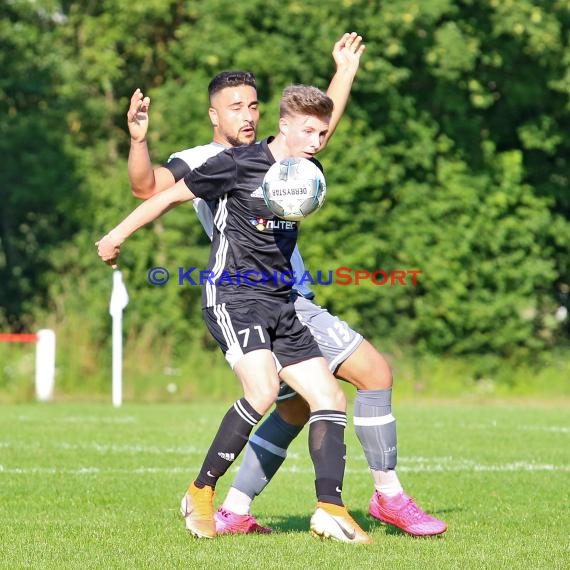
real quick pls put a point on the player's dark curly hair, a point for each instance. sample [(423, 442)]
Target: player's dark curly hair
[(230, 79)]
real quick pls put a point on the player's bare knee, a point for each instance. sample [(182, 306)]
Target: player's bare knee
[(331, 400), (377, 378), (262, 398), (294, 411), (366, 369)]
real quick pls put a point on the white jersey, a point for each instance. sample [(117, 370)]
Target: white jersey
[(196, 156)]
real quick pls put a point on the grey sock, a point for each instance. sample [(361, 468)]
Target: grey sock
[(264, 454), (375, 427)]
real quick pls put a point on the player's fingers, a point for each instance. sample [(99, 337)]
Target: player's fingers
[(341, 42), (136, 96), (133, 110), (138, 107), (355, 43), (351, 37), (145, 104)]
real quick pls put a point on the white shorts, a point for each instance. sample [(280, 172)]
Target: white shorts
[(336, 340)]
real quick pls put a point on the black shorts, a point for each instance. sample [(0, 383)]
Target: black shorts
[(243, 327)]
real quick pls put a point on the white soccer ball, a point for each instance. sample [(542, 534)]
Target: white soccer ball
[(293, 188)]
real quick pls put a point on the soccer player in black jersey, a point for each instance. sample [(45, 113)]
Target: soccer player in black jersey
[(234, 113), (254, 321)]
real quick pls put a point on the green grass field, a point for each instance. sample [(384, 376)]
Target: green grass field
[(90, 486)]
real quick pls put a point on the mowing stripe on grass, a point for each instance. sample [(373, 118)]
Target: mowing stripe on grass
[(463, 465)]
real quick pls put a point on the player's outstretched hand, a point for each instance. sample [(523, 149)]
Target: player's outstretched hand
[(347, 51), (137, 116), (108, 250)]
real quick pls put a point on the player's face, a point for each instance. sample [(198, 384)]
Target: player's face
[(304, 134), (234, 114)]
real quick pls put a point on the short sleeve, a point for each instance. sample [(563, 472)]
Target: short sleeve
[(216, 177), (178, 168)]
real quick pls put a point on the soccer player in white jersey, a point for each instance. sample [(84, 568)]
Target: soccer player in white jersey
[(234, 114), (254, 321)]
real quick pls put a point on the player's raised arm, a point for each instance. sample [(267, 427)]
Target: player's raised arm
[(346, 53), (109, 246), (145, 181)]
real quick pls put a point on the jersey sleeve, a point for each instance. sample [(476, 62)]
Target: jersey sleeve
[(178, 167), (216, 177)]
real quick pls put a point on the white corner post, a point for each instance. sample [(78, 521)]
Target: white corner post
[(45, 365), (119, 300)]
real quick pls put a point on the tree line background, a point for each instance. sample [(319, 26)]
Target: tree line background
[(452, 158)]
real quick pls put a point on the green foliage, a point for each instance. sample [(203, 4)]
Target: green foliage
[(452, 159), (38, 172)]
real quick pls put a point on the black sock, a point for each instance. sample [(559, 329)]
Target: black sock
[(328, 452), (231, 438)]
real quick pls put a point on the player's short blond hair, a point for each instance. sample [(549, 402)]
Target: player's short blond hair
[(305, 100)]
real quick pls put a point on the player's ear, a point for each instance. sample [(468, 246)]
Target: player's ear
[(213, 116), (283, 125)]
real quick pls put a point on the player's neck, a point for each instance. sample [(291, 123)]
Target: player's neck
[(221, 142), (278, 147)]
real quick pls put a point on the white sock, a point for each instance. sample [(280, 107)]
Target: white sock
[(237, 502), (387, 482)]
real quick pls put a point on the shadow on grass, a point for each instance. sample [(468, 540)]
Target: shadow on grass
[(301, 523)]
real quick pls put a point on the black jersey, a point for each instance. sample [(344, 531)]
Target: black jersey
[(251, 248)]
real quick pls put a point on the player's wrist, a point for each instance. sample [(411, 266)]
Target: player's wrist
[(135, 141), (116, 237), (346, 70)]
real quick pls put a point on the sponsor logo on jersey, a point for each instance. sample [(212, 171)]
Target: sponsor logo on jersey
[(258, 223), (262, 224)]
